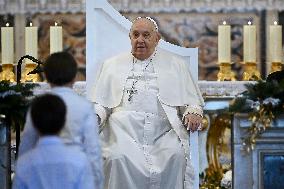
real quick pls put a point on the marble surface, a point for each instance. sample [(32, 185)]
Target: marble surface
[(209, 89), (249, 168)]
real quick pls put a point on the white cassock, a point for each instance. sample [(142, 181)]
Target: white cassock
[(144, 143)]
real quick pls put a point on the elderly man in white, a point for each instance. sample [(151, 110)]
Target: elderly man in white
[(141, 99)]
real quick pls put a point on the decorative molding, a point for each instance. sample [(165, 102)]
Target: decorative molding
[(196, 5), (41, 6), (74, 6)]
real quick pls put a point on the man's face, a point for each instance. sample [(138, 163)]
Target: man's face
[(144, 38)]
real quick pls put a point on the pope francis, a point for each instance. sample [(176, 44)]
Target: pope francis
[(146, 101)]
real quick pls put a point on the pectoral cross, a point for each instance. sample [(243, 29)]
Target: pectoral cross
[(131, 92)]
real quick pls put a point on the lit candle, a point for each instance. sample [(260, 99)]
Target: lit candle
[(275, 42), (7, 44), (55, 39), (31, 41), (224, 43), (249, 43)]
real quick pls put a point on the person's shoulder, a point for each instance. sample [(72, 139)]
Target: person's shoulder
[(75, 101), (76, 156), (24, 162), (67, 94), (82, 101)]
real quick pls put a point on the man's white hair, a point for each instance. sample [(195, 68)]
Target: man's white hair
[(150, 19)]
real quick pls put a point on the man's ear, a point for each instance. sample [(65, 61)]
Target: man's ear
[(158, 36)]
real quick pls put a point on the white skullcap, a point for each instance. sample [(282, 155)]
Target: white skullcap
[(151, 20)]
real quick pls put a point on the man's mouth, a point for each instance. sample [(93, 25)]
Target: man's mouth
[(140, 47)]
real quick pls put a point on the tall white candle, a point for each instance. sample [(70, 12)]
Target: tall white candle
[(224, 43), (7, 44), (275, 42), (56, 44), (249, 43), (31, 41)]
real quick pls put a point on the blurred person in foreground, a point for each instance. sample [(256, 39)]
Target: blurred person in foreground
[(51, 164), (81, 128)]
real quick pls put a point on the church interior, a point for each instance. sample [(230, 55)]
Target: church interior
[(239, 42)]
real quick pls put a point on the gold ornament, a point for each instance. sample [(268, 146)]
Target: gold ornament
[(31, 77), (276, 66), (205, 123), (251, 72), (260, 121), (7, 72), (225, 72)]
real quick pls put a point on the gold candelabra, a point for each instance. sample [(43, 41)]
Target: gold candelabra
[(276, 66), (26, 77), (225, 73), (7, 73), (251, 72)]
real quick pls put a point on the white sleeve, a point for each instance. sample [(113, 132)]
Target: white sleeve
[(102, 112), (192, 109)]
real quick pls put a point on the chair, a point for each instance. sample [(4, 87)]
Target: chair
[(107, 35)]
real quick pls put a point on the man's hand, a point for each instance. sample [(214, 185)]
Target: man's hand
[(192, 122)]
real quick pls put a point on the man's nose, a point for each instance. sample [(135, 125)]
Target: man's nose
[(140, 38)]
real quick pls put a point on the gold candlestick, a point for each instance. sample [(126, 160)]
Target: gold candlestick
[(7, 73), (251, 72), (276, 66), (225, 73), (32, 77)]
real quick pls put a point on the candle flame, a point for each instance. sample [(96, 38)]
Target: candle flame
[(275, 23), (249, 22), (7, 24), (224, 22), (55, 23), (31, 24)]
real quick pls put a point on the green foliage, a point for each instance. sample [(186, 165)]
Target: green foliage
[(259, 92), (263, 101), (239, 105), (14, 101)]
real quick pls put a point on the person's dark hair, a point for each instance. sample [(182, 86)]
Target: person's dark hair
[(48, 114), (277, 76), (60, 68)]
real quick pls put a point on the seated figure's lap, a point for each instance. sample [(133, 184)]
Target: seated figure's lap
[(166, 152)]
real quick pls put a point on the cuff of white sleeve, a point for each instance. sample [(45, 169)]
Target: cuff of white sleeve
[(193, 109), (101, 112)]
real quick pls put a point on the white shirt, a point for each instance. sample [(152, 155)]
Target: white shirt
[(53, 165)]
